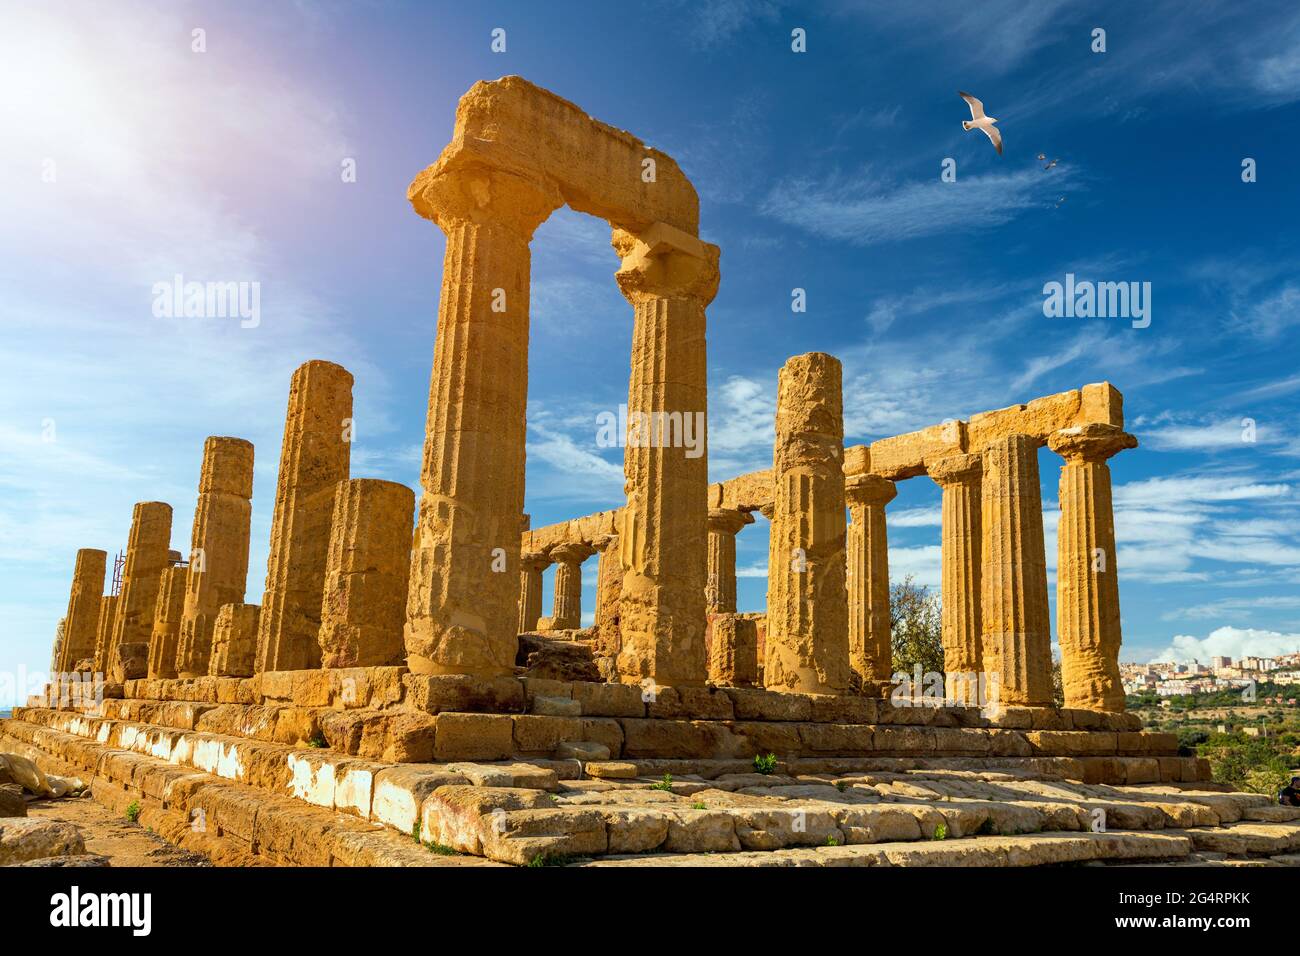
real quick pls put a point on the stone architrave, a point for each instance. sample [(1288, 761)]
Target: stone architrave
[(807, 603), (169, 610), (720, 587), (960, 477), (314, 458), (81, 623), (147, 554), (218, 568), (1016, 644), (867, 556), (1087, 582), (234, 641), (669, 277), (367, 575)]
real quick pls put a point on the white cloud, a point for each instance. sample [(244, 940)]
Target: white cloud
[(1234, 642)]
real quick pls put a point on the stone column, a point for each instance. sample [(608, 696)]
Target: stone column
[(169, 610), (867, 557), (669, 277), (462, 614), (218, 571), (531, 566), (147, 553), (104, 633), (609, 595), (367, 575), (566, 613), (720, 587), (1016, 644), (313, 459), (234, 641), (1087, 583), (960, 476), (807, 605), (81, 623), (733, 656)]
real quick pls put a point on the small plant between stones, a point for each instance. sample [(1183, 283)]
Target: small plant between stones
[(317, 741), (133, 811), (765, 764), (941, 832), (665, 784)]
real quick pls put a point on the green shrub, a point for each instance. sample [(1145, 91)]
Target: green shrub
[(133, 811), (765, 764)]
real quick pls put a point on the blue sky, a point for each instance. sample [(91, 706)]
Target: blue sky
[(817, 170)]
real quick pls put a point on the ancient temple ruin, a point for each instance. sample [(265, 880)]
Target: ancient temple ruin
[(399, 677)]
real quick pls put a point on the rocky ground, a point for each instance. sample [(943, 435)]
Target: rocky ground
[(77, 831)]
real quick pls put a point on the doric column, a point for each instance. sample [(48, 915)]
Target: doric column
[(566, 611), (169, 611), (104, 633), (867, 561), (363, 608), (669, 277), (146, 556), (960, 476), (462, 613), (1017, 632), (218, 569), (1087, 583), (81, 623), (733, 655), (720, 590), (807, 605), (234, 641), (314, 458), (609, 591), (531, 566)]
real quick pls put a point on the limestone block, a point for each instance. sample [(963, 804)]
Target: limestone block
[(367, 575), (733, 651), (169, 610), (234, 640), (104, 631), (81, 623)]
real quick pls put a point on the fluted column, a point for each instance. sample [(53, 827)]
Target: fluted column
[(147, 553), (169, 611), (669, 278), (1087, 582), (104, 632), (314, 457), (531, 566), (867, 557), (720, 590), (462, 614), (566, 612), (960, 477), (218, 569), (1017, 633), (807, 604), (81, 623), (609, 590)]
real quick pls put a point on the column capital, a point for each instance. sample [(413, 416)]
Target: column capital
[(602, 541), (571, 552), (484, 196), (534, 561), (728, 520), (665, 262), (869, 490), (1092, 442), (955, 469)]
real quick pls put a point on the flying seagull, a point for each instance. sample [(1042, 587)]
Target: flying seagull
[(1041, 157), (981, 122), (1051, 164)]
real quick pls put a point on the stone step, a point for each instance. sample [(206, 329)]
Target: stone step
[(1039, 849), (1249, 839)]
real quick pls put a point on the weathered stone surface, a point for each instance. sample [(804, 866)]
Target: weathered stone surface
[(720, 585), (531, 566), (960, 591), (367, 575), (1087, 582), (234, 640), (733, 651), (169, 610), (81, 623), (23, 839), (218, 569), (807, 617), (567, 606), (104, 632), (314, 458), (146, 556)]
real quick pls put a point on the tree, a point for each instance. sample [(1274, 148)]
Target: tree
[(915, 628)]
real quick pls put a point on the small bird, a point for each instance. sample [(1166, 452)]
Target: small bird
[(981, 122), (1041, 157), (1051, 164), (1059, 201)]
